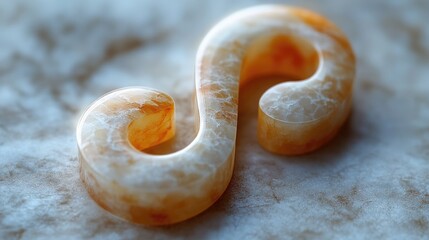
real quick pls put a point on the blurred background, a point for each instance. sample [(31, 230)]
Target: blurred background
[(56, 57)]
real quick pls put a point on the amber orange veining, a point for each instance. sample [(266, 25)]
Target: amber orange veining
[(295, 117)]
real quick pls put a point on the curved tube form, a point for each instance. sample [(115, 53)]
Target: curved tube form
[(294, 117)]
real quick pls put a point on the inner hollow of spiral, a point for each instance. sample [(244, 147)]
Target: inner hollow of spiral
[(280, 56)]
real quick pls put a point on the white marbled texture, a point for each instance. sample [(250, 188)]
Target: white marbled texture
[(57, 57)]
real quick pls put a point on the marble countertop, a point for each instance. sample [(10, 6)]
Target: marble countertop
[(56, 57)]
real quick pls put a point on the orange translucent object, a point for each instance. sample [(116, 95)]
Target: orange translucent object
[(294, 117)]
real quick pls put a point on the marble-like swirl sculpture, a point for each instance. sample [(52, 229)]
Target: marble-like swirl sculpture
[(294, 117)]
